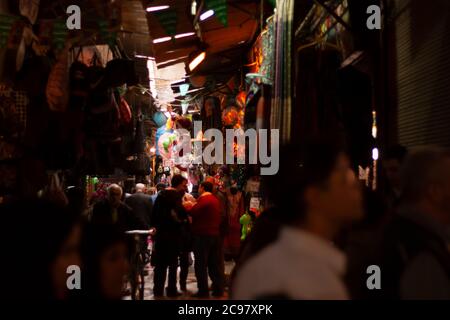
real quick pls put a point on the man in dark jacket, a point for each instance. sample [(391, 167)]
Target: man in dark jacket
[(206, 219), (141, 204), (168, 218), (415, 260), (112, 211)]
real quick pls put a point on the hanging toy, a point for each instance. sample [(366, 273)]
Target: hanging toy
[(247, 225), (165, 145)]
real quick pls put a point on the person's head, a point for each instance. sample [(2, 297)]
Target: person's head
[(315, 185), (425, 181), (179, 183), (114, 194), (105, 262), (160, 186), (211, 180), (205, 186), (392, 164), (140, 188), (48, 237)]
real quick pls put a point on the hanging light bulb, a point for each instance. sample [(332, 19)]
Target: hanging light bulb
[(197, 60), (207, 14)]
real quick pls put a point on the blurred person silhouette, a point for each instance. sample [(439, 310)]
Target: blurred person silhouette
[(159, 187), (77, 200), (392, 163), (141, 204), (220, 194), (265, 231), (320, 195), (42, 240), (112, 211), (105, 262), (415, 257), (208, 256), (169, 216)]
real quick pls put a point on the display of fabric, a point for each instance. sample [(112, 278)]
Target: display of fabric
[(282, 97), (13, 112), (211, 115), (57, 90), (268, 48)]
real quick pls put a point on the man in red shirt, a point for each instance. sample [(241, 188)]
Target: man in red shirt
[(206, 218)]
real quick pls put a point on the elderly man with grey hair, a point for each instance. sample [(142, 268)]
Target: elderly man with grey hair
[(416, 248), (141, 204), (112, 211)]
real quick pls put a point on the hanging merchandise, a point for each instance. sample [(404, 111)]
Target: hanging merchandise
[(168, 21), (79, 85), (182, 149), (281, 114), (165, 145), (268, 51), (232, 118), (45, 32), (161, 130), (220, 9), (29, 9), (211, 115), (246, 221), (57, 90), (240, 100), (125, 111), (238, 175), (11, 123), (6, 24), (59, 34), (160, 119), (253, 97)]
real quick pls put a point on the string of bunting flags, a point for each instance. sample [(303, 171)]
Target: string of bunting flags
[(50, 32), (7, 36)]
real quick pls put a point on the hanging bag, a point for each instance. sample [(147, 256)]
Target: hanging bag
[(57, 90)]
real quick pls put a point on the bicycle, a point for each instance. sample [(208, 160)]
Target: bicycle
[(139, 259)]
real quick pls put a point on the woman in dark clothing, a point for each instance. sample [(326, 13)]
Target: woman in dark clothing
[(41, 240), (105, 262)]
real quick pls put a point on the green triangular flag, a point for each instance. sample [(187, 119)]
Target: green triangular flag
[(220, 8), (6, 23), (59, 34), (168, 20), (108, 36)]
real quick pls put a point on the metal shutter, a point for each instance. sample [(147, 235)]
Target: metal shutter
[(423, 71)]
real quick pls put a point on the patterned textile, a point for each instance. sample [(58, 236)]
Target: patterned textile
[(268, 47), (21, 102), (13, 111), (281, 98)]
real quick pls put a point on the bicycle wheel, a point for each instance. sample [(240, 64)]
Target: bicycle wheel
[(140, 279)]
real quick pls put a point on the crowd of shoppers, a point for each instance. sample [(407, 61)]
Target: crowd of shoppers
[(320, 233)]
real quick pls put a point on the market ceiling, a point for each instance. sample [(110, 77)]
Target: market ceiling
[(226, 46)]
